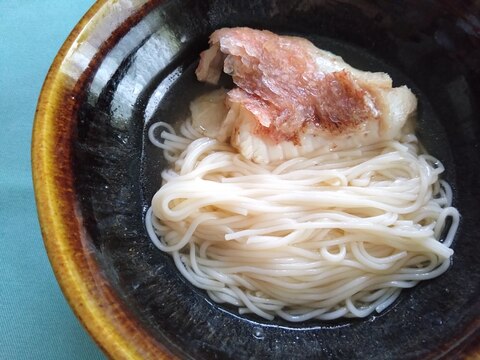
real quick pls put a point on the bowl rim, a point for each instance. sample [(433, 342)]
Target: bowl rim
[(87, 291), (115, 331)]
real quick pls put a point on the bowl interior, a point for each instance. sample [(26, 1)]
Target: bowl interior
[(147, 75)]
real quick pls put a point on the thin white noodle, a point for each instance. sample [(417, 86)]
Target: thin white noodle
[(328, 236)]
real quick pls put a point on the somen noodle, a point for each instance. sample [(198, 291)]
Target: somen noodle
[(328, 235)]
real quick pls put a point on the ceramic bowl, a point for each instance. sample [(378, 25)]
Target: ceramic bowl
[(130, 62)]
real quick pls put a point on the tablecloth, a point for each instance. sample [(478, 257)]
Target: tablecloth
[(35, 319)]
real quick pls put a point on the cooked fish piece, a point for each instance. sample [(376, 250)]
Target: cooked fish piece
[(293, 98)]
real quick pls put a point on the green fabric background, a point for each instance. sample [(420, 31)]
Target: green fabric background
[(35, 320)]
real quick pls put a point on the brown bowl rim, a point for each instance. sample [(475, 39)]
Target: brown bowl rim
[(95, 303)]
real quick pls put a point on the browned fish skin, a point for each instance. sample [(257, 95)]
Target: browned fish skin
[(279, 82)]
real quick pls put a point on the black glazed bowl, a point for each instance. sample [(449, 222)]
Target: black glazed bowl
[(129, 63)]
